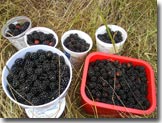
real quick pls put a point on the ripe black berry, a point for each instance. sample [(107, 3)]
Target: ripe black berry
[(19, 62)]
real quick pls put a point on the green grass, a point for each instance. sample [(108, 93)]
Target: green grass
[(138, 18)]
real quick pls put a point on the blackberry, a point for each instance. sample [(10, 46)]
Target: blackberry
[(105, 94), (104, 84), (19, 62), (93, 78), (52, 86), (91, 85), (62, 60), (42, 36), (43, 96), (15, 70), (46, 67), (49, 36), (25, 26), (35, 35), (96, 69), (104, 75), (35, 101), (49, 54), (34, 90), (16, 32), (33, 56), (33, 77), (52, 78), (93, 91), (98, 94), (42, 58), (41, 52), (25, 87), (22, 74), (11, 26), (29, 71), (28, 64), (15, 84), (29, 82), (27, 56), (10, 78), (56, 94), (90, 73), (43, 77), (38, 71), (65, 81), (29, 96)]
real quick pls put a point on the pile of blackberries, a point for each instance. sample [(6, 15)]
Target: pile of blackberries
[(76, 44), (16, 29), (117, 36), (117, 83), (38, 78), (41, 38)]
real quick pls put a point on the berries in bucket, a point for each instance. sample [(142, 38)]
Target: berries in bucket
[(76, 44), (41, 35), (41, 38), (112, 84), (37, 77), (104, 39), (15, 29)]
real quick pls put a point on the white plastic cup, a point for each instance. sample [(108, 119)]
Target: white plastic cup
[(17, 41), (76, 58), (107, 47), (53, 109), (41, 29)]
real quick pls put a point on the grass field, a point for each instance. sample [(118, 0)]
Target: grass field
[(137, 17)]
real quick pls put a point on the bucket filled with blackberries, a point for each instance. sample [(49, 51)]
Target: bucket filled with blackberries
[(76, 44), (41, 36), (15, 29), (111, 41), (115, 85), (37, 78)]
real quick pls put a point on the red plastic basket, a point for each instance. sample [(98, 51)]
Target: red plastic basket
[(93, 107)]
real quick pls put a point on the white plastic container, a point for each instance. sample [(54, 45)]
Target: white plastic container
[(17, 41), (41, 29), (106, 47), (53, 109), (76, 58)]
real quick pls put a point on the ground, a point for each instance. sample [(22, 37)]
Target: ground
[(138, 18)]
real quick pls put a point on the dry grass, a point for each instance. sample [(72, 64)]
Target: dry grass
[(138, 17)]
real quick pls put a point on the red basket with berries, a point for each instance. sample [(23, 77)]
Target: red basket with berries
[(113, 84)]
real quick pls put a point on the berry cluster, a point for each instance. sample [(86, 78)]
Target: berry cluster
[(16, 29), (120, 84), (117, 36), (41, 38), (38, 78), (76, 44)]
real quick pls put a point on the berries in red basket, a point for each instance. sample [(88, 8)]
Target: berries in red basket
[(122, 81)]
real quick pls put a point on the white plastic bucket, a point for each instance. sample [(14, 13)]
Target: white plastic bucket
[(40, 110), (41, 29), (106, 47), (76, 58), (17, 41)]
